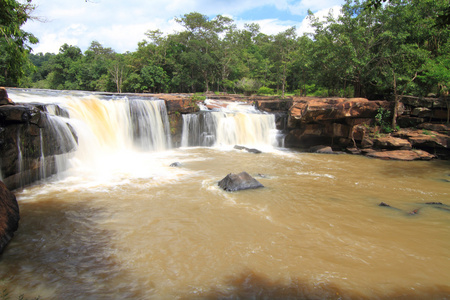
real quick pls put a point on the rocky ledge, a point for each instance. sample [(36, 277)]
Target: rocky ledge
[(9, 216), (30, 140), (349, 125)]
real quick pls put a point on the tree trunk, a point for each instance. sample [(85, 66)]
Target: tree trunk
[(396, 101)]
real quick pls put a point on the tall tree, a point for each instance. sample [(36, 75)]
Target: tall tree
[(283, 49), (14, 42), (202, 39)]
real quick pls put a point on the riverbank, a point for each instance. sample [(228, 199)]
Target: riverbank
[(349, 125)]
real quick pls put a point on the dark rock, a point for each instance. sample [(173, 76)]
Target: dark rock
[(384, 204), (321, 149), (422, 112), (175, 164), (353, 150), (4, 100), (408, 121), (28, 135), (236, 182), (435, 127), (424, 102), (250, 150), (9, 216), (253, 150), (273, 105)]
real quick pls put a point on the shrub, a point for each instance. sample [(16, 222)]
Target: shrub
[(265, 91)]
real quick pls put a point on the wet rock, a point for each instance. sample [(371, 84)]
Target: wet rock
[(236, 182), (405, 155), (26, 135), (384, 204), (4, 100), (9, 216), (250, 150), (175, 164), (353, 150), (321, 149)]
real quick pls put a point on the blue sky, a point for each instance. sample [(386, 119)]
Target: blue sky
[(122, 24)]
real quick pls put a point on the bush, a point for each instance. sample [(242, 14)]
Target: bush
[(265, 91), (248, 86)]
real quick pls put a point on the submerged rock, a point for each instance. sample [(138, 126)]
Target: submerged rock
[(236, 182), (9, 216), (250, 150)]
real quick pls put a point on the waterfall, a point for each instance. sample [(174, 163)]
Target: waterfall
[(229, 124), (106, 126), (101, 132)]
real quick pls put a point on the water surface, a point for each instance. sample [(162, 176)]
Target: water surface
[(139, 229)]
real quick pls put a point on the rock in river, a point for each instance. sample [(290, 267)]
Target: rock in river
[(236, 182)]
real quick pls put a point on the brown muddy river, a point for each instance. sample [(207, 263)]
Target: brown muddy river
[(138, 229)]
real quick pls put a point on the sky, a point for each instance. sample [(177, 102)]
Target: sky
[(121, 24)]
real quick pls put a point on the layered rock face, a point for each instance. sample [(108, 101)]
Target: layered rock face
[(349, 124), (30, 140), (330, 121), (9, 216)]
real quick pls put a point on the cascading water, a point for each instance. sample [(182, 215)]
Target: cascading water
[(103, 130), (229, 124)]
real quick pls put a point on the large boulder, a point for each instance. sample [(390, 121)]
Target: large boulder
[(9, 216), (390, 142), (4, 100), (236, 182), (405, 155)]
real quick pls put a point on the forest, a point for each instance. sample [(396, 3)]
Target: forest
[(377, 52)]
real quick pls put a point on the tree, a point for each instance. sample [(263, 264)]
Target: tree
[(202, 41), (413, 41), (14, 42), (442, 18), (283, 49)]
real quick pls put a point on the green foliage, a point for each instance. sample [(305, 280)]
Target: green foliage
[(14, 42), (395, 49), (383, 119), (248, 85), (265, 91)]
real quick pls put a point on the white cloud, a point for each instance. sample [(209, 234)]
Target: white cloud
[(305, 26), (122, 24)]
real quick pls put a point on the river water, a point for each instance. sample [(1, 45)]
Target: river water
[(126, 225)]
